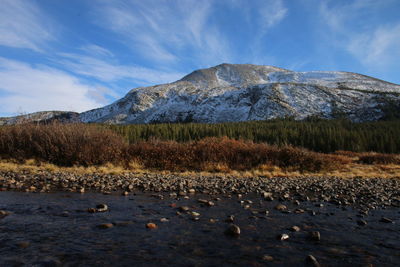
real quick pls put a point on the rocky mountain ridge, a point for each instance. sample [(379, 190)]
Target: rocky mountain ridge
[(241, 92)]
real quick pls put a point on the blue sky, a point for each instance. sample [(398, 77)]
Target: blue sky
[(82, 54)]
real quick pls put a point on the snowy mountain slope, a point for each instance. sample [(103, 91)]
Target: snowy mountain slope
[(240, 92)]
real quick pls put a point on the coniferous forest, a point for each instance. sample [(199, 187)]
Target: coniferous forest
[(314, 134)]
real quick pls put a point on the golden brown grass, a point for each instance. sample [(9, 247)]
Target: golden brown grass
[(349, 170)]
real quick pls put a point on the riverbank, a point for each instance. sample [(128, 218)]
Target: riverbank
[(365, 193)]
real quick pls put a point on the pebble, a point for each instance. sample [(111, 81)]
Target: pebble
[(184, 208), (315, 235), (105, 225), (101, 208), (386, 220), (164, 220), (230, 218), (268, 258), (3, 214), (196, 214), (283, 237), (23, 244), (313, 261), (151, 226), (294, 228), (362, 222), (280, 207), (191, 191), (233, 230)]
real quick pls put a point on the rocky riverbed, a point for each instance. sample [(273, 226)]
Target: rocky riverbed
[(175, 220)]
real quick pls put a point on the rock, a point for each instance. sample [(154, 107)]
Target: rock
[(268, 258), (23, 244), (164, 220), (230, 218), (125, 193), (210, 203), (102, 208), (315, 235), (280, 207), (151, 226), (298, 211), (182, 193), (268, 196), (3, 214), (362, 222), (82, 190), (91, 210), (105, 225), (202, 201), (294, 228), (312, 260), (283, 237), (195, 214), (233, 230), (184, 208), (191, 191), (386, 220)]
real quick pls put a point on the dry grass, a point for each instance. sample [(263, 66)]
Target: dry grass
[(349, 170)]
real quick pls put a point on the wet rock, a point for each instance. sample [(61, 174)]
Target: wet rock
[(91, 210), (184, 208), (294, 228), (268, 196), (298, 211), (315, 236), (230, 218), (386, 220), (191, 191), (233, 230), (283, 237), (105, 225), (182, 193), (280, 207), (125, 193), (195, 214), (23, 244), (101, 208), (151, 226), (312, 261), (362, 222), (164, 220), (3, 214), (268, 258)]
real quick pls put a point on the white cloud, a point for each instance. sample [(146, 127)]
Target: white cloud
[(349, 27), (382, 46), (36, 88), (22, 25), (271, 13), (109, 71), (161, 30)]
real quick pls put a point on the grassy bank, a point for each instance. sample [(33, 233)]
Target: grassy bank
[(83, 145)]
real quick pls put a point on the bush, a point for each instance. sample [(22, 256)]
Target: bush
[(62, 144), (377, 158)]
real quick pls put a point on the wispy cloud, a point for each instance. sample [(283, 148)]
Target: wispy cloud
[(108, 70), (36, 88), (22, 25), (162, 30), (271, 12), (349, 28)]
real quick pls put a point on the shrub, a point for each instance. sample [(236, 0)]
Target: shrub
[(62, 144), (377, 158)]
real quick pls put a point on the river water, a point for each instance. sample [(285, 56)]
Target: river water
[(55, 229)]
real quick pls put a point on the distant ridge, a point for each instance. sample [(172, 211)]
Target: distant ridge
[(242, 92)]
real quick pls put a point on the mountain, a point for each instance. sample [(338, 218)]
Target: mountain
[(241, 92), (42, 117)]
